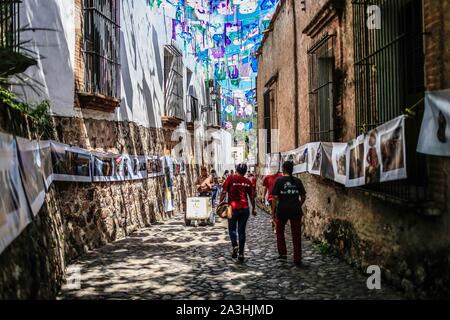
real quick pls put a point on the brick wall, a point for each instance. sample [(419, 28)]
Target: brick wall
[(437, 46), (280, 45), (410, 245), (79, 59), (437, 77)]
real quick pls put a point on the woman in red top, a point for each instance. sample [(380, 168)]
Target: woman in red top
[(239, 189)]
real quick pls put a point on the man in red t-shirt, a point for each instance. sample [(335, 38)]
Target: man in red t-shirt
[(251, 176), (268, 183), (239, 190)]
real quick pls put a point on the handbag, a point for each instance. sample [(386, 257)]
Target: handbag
[(224, 210)]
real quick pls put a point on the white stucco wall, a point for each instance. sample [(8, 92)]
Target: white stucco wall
[(144, 33), (53, 77)]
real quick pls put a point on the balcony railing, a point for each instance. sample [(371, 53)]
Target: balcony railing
[(9, 24)]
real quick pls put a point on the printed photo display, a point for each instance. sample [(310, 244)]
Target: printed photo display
[(154, 166), (314, 158), (273, 163), (392, 150), (299, 157), (168, 192), (179, 166), (327, 168), (70, 163), (182, 167), (14, 212), (372, 159), (169, 170), (375, 157), (339, 161), (138, 167), (31, 173), (176, 167), (124, 167), (434, 135), (104, 167), (27, 168), (355, 163), (45, 152)]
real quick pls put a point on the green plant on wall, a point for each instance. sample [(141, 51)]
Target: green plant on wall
[(39, 113), (15, 59)]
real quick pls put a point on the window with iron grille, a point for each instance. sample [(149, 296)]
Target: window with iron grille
[(267, 122), (194, 109), (321, 89), (214, 104), (9, 24), (102, 47), (389, 77), (173, 82), (213, 118)]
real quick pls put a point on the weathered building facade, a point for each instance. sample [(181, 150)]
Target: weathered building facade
[(324, 75), (116, 82)]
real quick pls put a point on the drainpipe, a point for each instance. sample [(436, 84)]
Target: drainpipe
[(296, 115)]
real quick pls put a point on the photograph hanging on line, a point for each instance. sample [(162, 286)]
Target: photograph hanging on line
[(138, 167), (14, 211), (273, 163), (327, 169), (169, 170), (299, 157), (393, 150), (70, 164), (182, 167), (176, 167), (31, 173), (372, 159), (355, 163), (154, 166), (169, 176), (123, 167), (314, 158), (434, 138), (339, 160), (356, 167), (104, 167), (45, 152)]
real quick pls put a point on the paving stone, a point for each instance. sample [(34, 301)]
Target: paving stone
[(171, 261)]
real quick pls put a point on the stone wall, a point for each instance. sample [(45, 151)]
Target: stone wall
[(412, 249), (79, 217)]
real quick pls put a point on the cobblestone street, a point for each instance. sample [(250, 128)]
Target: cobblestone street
[(171, 261)]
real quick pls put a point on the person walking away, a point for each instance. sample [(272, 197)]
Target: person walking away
[(288, 197), (268, 183), (253, 181), (252, 177), (239, 190)]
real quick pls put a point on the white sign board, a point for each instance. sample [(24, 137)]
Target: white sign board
[(198, 208)]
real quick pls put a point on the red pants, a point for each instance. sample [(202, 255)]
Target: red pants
[(296, 229)]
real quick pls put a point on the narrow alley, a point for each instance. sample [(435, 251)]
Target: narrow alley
[(138, 138), (172, 261)]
